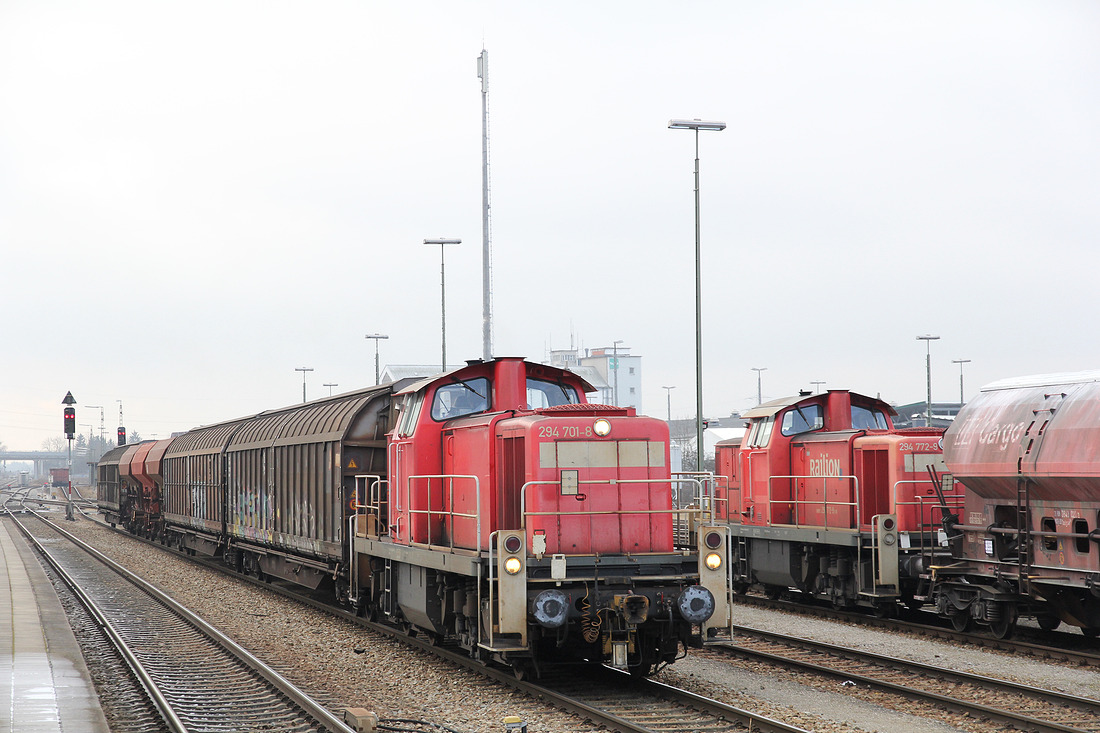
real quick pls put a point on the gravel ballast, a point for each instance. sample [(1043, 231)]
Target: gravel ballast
[(344, 665)]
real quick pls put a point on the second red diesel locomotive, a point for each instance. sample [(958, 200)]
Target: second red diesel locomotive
[(825, 496)]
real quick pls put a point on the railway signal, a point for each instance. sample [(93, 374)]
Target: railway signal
[(70, 431)]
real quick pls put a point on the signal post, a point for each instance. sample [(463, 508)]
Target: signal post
[(70, 431)]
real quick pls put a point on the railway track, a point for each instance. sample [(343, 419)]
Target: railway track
[(197, 678), (1069, 650), (604, 697), (1020, 706)]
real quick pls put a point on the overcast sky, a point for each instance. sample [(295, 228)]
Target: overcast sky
[(197, 198)]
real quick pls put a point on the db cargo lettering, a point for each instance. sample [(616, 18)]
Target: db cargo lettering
[(990, 433)]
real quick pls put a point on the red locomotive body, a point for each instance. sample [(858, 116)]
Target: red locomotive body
[(1028, 452), (569, 503), (823, 495), (490, 505)]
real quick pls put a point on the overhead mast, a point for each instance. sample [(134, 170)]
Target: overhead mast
[(486, 270)]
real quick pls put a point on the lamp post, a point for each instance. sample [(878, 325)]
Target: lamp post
[(928, 339), (817, 385), (303, 370), (668, 394), (759, 391), (377, 337), (101, 418), (960, 362), (443, 289), (615, 366), (698, 125), (330, 385)]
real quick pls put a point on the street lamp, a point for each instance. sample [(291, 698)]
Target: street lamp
[(330, 385), (303, 370), (101, 418), (443, 289), (960, 362), (615, 366), (698, 125), (759, 392), (817, 385), (928, 339), (377, 337), (668, 394)]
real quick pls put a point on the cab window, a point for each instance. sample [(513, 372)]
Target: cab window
[(760, 433), (866, 419), (802, 420), (461, 398), (409, 410), (541, 393)]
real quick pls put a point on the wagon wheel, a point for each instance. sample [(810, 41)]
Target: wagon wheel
[(1003, 627), (959, 620)]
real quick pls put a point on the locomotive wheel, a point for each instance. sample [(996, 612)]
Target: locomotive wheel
[(960, 620), (523, 669), (1048, 622)]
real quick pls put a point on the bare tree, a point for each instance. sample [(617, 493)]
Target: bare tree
[(55, 445)]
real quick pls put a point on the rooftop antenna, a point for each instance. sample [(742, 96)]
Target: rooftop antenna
[(486, 267)]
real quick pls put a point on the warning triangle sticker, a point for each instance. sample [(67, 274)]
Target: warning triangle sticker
[(352, 464)]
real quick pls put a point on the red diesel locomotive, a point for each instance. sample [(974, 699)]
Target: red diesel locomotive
[(825, 496), (1028, 452), (490, 505)]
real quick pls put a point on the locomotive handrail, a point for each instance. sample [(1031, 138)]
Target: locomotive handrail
[(703, 480), (931, 503), (673, 512), (445, 513), (825, 503), (373, 496)]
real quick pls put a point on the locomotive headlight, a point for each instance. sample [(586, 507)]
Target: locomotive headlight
[(513, 565), (713, 561), (601, 427)]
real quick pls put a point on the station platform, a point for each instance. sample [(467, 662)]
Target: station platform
[(44, 683)]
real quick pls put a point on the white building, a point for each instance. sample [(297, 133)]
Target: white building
[(622, 373)]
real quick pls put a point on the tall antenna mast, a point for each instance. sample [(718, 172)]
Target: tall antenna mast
[(486, 269)]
